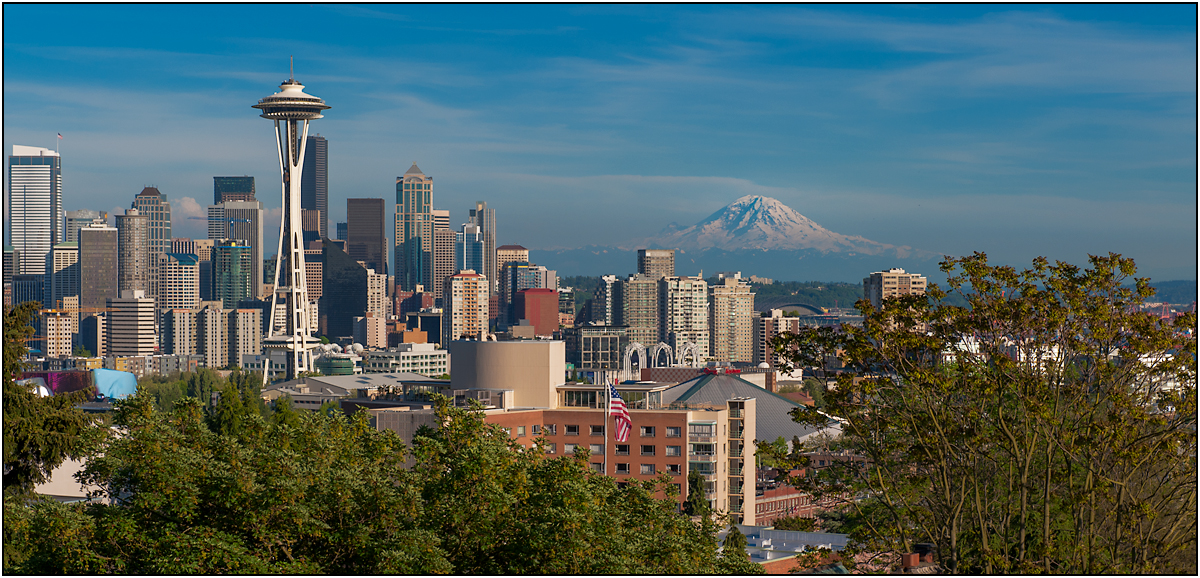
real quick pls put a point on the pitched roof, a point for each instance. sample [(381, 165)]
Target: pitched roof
[(511, 248), (772, 415), (414, 170), (149, 192)]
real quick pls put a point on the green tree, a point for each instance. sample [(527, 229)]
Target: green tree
[(81, 351), (796, 524), (696, 504), (1047, 426), (735, 542), (39, 432)]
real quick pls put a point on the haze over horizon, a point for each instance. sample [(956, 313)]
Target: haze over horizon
[(1016, 130)]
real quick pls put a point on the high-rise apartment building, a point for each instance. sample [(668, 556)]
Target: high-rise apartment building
[(240, 220), (370, 330), (133, 252), (366, 238), (465, 307), (484, 220), (508, 254), (131, 325), (638, 299), (62, 274), (79, 219), (314, 184), (656, 263), (212, 325), (234, 272), (377, 298), (55, 330), (155, 206), (891, 283), (232, 189), (605, 306), (766, 329), (35, 214), (97, 267), (731, 321), (221, 336), (178, 281), (470, 250), (414, 228), (180, 332), (683, 314), (245, 334)]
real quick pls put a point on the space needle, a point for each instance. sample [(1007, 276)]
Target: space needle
[(291, 109)]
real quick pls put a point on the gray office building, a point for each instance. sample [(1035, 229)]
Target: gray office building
[(97, 267)]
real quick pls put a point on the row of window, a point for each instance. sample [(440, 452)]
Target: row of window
[(598, 430)]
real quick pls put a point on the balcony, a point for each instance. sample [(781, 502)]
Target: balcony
[(735, 489), (735, 435), (735, 472), (703, 439), (735, 413), (736, 453), (702, 457)]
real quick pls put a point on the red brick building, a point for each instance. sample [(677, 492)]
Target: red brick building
[(540, 307)]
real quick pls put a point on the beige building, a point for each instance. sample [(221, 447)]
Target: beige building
[(421, 358), (683, 314), (56, 328), (656, 263), (414, 229), (464, 307), (201, 248), (638, 303), (178, 281), (180, 332), (131, 326), (371, 331), (765, 329), (62, 274), (212, 324), (891, 283), (531, 369), (731, 320), (245, 333), (377, 298)]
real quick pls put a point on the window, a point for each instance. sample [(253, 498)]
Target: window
[(673, 469), (701, 429), (572, 430), (550, 448), (597, 430), (647, 450), (535, 429), (597, 449), (673, 432), (647, 469), (568, 448), (579, 399), (647, 431), (678, 488), (674, 450), (520, 431), (622, 468), (622, 450), (598, 467)]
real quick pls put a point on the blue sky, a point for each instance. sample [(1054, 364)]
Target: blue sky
[(1018, 130)]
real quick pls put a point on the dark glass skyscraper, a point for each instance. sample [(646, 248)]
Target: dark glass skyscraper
[(232, 189), (314, 185), (343, 291), (364, 231), (234, 272)]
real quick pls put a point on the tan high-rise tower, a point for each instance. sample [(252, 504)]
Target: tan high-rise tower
[(414, 228), (731, 318)]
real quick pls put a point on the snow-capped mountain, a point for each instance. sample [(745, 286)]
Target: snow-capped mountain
[(755, 222)]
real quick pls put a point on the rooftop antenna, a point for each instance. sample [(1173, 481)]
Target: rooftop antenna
[(291, 67)]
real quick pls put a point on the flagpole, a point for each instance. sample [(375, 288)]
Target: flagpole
[(607, 414)]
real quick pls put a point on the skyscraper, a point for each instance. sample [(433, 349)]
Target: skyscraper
[(155, 206), (341, 231), (366, 240), (97, 266), (35, 214), (638, 298), (314, 187), (232, 189), (83, 217), (485, 220), (242, 220), (179, 286), (344, 291), (731, 320), (131, 324), (443, 260), (656, 263), (234, 272), (62, 273), (414, 228), (133, 253), (606, 309), (470, 250)]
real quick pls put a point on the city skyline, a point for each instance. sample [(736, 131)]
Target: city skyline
[(1018, 131)]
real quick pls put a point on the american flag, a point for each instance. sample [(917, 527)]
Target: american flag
[(617, 409)]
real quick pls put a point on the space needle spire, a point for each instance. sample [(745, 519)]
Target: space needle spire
[(291, 109)]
